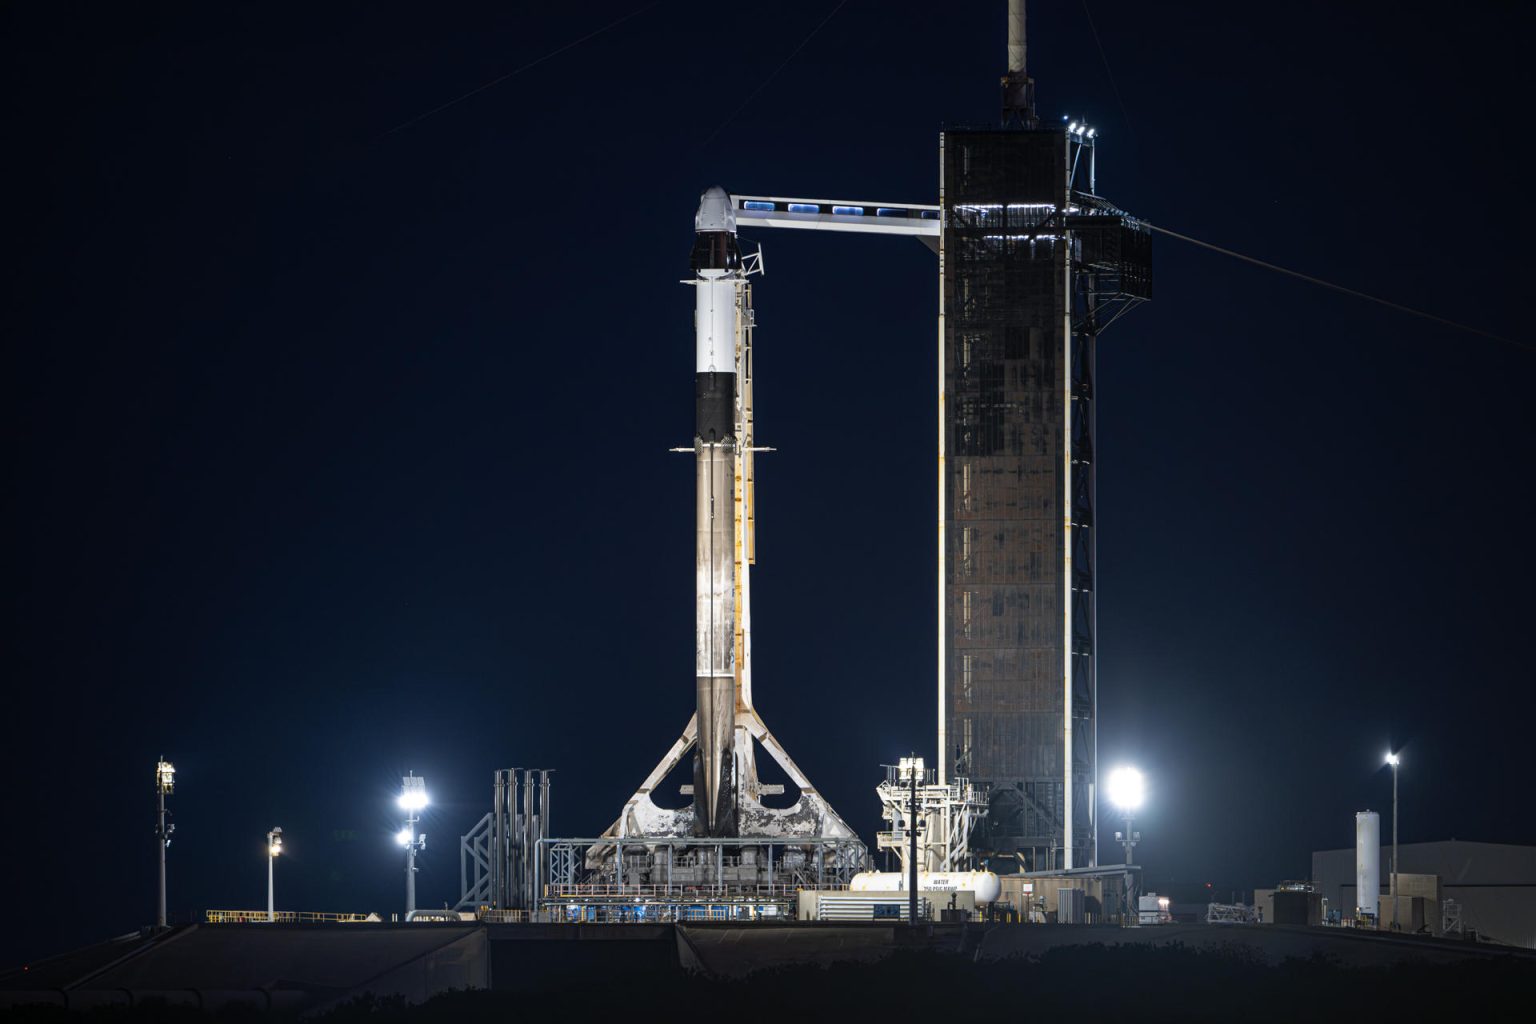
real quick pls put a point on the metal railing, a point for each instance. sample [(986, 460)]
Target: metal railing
[(492, 915), (663, 913), (287, 917), (708, 893)]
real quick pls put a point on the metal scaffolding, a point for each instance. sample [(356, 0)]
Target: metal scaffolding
[(946, 814)]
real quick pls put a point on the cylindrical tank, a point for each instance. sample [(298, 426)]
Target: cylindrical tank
[(1367, 862), (983, 884)]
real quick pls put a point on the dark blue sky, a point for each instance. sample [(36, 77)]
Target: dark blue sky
[(333, 455)]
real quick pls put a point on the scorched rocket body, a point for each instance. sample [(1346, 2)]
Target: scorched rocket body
[(722, 732), (718, 288)]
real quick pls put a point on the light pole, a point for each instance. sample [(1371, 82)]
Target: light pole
[(914, 766), (274, 847), (1393, 759), (1127, 789), (165, 784), (413, 797)]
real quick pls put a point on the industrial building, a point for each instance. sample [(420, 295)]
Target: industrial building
[(1483, 888)]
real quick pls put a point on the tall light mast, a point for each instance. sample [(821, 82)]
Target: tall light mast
[(413, 797), (165, 784)]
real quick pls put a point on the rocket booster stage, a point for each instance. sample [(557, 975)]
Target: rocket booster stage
[(725, 731), (717, 274)]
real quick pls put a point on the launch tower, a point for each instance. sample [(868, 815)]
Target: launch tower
[(1034, 264)]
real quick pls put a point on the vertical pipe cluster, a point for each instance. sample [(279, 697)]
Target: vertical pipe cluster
[(519, 820)]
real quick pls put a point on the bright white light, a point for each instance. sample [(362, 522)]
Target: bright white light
[(1126, 788), (1072, 127), (413, 793), (1091, 131), (403, 837), (1392, 759)]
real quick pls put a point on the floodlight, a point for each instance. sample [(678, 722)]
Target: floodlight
[(275, 842), (1072, 127), (1126, 788), (403, 837), (165, 777), (1392, 759), (1091, 131), (413, 793)]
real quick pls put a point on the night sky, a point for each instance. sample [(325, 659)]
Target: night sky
[(334, 452)]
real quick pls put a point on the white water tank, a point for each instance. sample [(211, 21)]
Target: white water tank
[(982, 884), (1367, 863)]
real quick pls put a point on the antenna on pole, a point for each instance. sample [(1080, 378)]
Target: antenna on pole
[(1018, 87)]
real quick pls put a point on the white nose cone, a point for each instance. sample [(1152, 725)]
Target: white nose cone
[(715, 212)]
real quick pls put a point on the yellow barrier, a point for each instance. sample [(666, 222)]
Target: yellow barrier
[(286, 917)]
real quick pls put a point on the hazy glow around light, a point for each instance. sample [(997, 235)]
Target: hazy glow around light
[(413, 793), (1392, 759), (403, 837), (1126, 788)]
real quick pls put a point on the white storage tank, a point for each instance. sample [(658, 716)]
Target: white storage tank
[(982, 884), (1367, 864)]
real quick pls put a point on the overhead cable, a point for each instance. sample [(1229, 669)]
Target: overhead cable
[(517, 71), (772, 75), (1108, 73), (1340, 288)]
